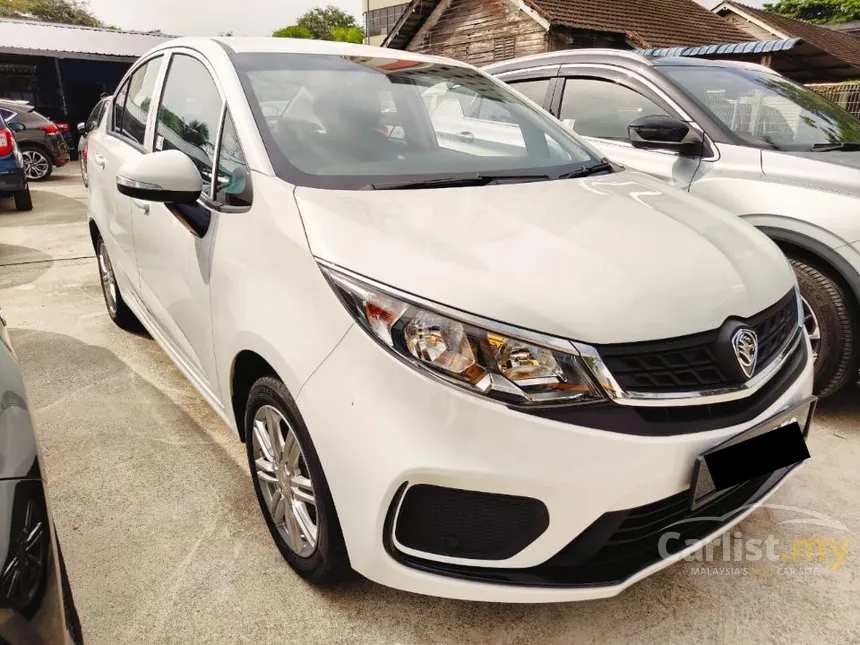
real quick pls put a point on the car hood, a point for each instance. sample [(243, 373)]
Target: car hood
[(834, 170), (615, 258)]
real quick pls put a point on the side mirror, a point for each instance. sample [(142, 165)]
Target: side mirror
[(82, 129), (168, 176), (663, 133), (15, 126)]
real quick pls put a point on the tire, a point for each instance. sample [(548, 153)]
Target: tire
[(117, 309), (833, 324), (326, 561), (38, 165), (23, 200)]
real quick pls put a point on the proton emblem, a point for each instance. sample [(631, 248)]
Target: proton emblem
[(745, 344)]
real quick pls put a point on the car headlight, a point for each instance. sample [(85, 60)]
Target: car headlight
[(502, 363)]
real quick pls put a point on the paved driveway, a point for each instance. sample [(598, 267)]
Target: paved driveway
[(164, 542)]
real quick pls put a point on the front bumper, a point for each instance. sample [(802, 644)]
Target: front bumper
[(377, 424)]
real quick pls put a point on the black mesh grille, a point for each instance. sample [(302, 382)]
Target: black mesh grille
[(468, 524), (693, 362)]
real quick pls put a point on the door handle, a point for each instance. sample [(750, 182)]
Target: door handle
[(143, 206), (466, 137), (101, 162)]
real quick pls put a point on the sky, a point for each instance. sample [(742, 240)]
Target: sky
[(210, 17)]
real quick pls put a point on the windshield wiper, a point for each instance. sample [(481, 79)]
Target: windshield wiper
[(585, 171), (845, 145), (479, 179)]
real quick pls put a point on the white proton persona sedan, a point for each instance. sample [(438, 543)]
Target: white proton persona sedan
[(476, 362)]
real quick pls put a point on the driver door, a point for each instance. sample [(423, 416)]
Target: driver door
[(173, 243)]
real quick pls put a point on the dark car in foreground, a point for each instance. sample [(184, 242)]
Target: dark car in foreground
[(41, 141), (36, 604), (13, 181)]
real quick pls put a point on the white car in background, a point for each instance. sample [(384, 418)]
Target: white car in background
[(472, 372)]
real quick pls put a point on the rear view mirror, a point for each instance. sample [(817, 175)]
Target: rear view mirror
[(82, 128), (168, 176), (15, 126), (663, 133)]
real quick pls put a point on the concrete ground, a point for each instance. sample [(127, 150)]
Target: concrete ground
[(165, 544)]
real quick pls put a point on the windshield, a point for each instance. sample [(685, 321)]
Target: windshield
[(767, 109), (349, 123)]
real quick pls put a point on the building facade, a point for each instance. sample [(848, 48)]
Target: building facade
[(380, 16), (486, 31)]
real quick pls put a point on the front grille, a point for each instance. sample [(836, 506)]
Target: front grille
[(468, 524), (618, 544), (692, 363)]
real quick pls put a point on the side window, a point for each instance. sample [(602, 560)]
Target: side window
[(233, 183), (119, 108), (603, 109), (8, 115), (190, 113), (95, 116), (535, 90), (136, 97)]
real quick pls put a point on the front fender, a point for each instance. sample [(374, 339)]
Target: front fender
[(820, 214)]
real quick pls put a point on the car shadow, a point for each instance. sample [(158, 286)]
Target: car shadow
[(20, 265)]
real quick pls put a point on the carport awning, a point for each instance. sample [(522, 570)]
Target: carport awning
[(792, 57)]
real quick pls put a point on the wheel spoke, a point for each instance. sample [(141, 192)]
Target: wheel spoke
[(266, 471), (302, 489), (293, 531), (262, 435), (34, 537), (276, 439), (277, 507), (308, 528)]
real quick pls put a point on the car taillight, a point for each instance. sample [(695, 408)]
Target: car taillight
[(50, 128), (64, 127), (7, 142)]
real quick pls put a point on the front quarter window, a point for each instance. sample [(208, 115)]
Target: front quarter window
[(763, 108), (349, 123)]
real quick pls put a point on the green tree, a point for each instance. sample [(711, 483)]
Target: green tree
[(293, 31), (69, 12), (348, 34), (324, 23), (817, 11)]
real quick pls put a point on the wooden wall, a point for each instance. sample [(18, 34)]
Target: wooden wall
[(480, 32)]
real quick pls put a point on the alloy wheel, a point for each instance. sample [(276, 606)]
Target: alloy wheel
[(108, 279), (21, 576), (813, 330), (36, 164), (284, 479)]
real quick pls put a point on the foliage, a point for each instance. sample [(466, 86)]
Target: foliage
[(69, 12), (325, 23), (294, 31), (817, 11), (348, 34)]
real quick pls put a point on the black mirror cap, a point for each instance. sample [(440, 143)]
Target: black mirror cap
[(664, 133), (153, 193)]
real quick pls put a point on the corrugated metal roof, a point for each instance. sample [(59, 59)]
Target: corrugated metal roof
[(68, 41), (754, 47)]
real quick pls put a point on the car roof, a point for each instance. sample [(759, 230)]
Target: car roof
[(16, 106), (598, 55), (243, 45)]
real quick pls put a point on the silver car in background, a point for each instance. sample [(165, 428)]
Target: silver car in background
[(741, 136)]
